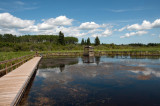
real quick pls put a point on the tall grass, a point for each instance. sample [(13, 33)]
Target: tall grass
[(11, 55)]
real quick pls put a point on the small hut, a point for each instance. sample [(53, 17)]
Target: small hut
[(88, 51)]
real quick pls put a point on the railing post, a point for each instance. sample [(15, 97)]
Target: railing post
[(36, 54), (23, 59), (11, 66), (6, 68)]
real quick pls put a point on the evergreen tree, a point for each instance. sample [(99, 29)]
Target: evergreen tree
[(85, 42), (88, 41), (1, 38), (61, 38), (82, 42), (97, 41)]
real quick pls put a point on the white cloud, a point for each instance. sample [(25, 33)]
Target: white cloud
[(94, 31), (153, 34), (156, 23), (14, 25), (54, 22), (144, 26), (50, 26), (95, 35), (30, 29), (70, 31), (18, 26), (106, 33), (121, 29), (9, 21), (45, 26), (89, 26), (118, 11), (134, 33), (19, 3), (125, 10), (9, 31), (59, 21)]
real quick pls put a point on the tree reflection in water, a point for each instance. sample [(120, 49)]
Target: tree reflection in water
[(57, 62), (97, 59), (62, 67)]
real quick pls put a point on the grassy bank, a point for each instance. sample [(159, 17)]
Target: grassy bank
[(11, 55), (104, 48)]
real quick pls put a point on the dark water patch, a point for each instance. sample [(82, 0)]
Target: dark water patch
[(104, 82), (57, 61)]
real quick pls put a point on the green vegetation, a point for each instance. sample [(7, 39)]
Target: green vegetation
[(79, 48), (11, 55), (82, 42), (88, 41), (12, 46), (97, 41), (9, 42), (61, 38)]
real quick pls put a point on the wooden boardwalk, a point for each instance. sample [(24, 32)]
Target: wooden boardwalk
[(14, 83)]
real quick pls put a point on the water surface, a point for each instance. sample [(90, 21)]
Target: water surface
[(96, 81)]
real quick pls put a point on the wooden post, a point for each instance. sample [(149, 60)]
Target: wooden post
[(22, 60), (36, 53), (6, 68), (11, 66)]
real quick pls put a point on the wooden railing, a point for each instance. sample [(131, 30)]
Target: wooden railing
[(9, 65)]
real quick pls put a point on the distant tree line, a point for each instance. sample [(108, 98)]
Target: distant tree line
[(97, 42), (9, 42), (87, 42), (141, 45), (54, 39)]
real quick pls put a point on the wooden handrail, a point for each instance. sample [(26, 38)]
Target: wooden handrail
[(11, 64), (6, 61)]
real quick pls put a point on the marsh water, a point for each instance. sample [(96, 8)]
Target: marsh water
[(95, 81)]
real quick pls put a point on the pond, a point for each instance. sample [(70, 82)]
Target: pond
[(95, 81)]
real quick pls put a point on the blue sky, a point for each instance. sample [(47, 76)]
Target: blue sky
[(114, 21)]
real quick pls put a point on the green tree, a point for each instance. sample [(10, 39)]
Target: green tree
[(85, 42), (82, 42), (9, 38), (88, 41), (61, 38), (71, 40), (97, 41), (1, 38)]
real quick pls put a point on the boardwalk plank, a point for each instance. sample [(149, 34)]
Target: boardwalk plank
[(12, 84)]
